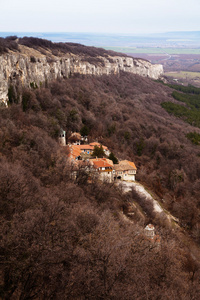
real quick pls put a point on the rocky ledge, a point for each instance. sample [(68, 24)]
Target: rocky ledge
[(29, 67)]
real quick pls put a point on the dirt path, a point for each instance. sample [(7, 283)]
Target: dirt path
[(127, 186), (181, 234)]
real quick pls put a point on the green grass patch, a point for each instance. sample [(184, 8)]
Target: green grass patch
[(194, 137), (192, 101), (190, 89), (191, 97), (191, 116)]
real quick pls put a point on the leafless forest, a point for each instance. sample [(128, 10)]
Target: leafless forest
[(62, 239)]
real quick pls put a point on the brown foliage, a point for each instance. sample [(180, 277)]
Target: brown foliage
[(91, 53), (62, 239), (8, 43)]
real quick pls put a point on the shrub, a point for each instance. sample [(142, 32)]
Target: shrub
[(33, 59), (194, 137)]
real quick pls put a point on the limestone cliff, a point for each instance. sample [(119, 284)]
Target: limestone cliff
[(31, 67)]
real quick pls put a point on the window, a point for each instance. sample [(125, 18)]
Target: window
[(131, 172)]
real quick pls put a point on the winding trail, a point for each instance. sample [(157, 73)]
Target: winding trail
[(181, 233), (127, 187)]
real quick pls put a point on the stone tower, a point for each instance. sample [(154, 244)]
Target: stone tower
[(62, 139)]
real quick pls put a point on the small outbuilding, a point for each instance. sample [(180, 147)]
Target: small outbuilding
[(149, 231)]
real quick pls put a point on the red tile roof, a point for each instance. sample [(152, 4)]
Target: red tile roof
[(132, 164), (125, 165), (101, 163), (74, 151), (76, 135), (85, 147), (99, 145)]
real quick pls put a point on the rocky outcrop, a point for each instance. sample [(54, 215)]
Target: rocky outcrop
[(31, 68)]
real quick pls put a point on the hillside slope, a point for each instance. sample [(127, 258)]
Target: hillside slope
[(66, 239)]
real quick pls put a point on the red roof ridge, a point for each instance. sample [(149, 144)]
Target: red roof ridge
[(85, 147), (101, 163), (128, 162)]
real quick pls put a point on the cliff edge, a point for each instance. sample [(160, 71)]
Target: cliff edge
[(35, 67)]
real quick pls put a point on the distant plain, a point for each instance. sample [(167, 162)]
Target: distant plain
[(178, 52), (155, 50)]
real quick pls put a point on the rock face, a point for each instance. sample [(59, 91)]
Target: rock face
[(31, 68)]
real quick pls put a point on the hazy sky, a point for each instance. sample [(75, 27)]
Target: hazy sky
[(105, 16)]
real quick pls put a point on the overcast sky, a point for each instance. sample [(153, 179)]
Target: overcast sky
[(103, 16)]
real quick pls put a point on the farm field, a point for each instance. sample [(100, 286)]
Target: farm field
[(184, 77), (155, 50), (183, 74)]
